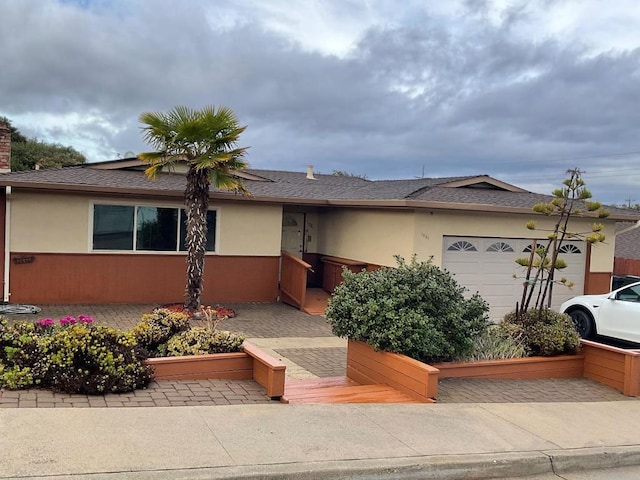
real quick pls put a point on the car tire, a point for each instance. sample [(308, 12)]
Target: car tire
[(583, 323)]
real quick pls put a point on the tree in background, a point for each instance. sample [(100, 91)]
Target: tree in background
[(26, 153), (572, 200), (206, 141)]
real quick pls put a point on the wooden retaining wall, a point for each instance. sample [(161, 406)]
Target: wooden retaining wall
[(368, 367), (616, 367), (565, 366), (252, 363)]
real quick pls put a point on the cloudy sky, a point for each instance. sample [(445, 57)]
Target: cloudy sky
[(520, 90)]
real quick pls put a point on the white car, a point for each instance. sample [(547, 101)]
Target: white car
[(615, 314)]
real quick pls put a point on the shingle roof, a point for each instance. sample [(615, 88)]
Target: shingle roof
[(628, 243), (293, 187)]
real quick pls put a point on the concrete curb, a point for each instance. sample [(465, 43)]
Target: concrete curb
[(440, 467), (595, 458)]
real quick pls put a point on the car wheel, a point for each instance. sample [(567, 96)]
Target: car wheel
[(583, 322)]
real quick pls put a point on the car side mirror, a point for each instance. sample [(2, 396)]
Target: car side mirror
[(613, 296)]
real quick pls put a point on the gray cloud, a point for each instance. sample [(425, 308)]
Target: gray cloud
[(459, 98)]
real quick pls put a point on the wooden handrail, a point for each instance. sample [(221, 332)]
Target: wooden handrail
[(297, 260), (293, 280)]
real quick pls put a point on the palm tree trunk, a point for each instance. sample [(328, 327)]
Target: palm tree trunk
[(196, 205)]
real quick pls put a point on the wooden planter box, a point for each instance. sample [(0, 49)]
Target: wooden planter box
[(368, 367), (616, 367), (564, 366), (252, 363)]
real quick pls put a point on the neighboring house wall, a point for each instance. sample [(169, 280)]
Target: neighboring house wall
[(628, 252), (51, 234)]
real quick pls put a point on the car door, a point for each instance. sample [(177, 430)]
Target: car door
[(619, 317)]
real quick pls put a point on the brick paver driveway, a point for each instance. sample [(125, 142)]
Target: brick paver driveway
[(308, 348)]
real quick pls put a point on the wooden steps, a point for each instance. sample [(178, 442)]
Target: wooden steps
[(341, 390), (315, 302)]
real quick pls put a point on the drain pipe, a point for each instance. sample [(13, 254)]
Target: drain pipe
[(7, 246)]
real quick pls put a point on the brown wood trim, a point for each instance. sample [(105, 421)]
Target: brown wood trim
[(3, 216), (267, 370), (234, 366), (566, 366), (587, 269), (295, 259), (59, 278), (293, 280), (616, 367), (332, 270), (414, 378), (250, 363), (598, 282)]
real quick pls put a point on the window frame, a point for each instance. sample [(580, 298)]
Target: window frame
[(135, 206)]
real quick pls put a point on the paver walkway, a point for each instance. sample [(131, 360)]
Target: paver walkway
[(308, 348)]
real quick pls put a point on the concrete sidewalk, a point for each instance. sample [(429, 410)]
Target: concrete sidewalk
[(433, 441)]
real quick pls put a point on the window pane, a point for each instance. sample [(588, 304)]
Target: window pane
[(157, 229), (211, 230), (112, 227)]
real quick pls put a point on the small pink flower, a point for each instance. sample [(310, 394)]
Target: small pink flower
[(45, 322), (85, 319), (68, 320)]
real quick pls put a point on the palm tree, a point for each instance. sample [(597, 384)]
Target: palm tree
[(206, 140)]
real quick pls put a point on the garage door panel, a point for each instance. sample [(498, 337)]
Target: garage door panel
[(490, 270)]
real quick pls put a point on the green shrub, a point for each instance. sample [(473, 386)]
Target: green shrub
[(201, 340), (545, 332), (156, 328), (94, 360), (415, 309), (77, 358), (497, 343)]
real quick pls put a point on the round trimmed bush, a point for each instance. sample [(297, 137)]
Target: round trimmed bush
[(416, 309), (156, 328), (545, 332), (201, 340)]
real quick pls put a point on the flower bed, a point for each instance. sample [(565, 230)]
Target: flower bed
[(74, 355)]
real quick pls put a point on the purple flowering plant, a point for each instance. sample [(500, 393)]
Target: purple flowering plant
[(49, 323)]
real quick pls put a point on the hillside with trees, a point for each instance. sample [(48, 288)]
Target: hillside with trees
[(26, 153)]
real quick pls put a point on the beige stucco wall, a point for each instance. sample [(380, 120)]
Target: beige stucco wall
[(250, 229), (52, 223), (374, 236), (48, 223), (371, 236)]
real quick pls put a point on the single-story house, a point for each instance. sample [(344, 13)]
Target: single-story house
[(104, 233)]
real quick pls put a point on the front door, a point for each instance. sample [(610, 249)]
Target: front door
[(293, 233)]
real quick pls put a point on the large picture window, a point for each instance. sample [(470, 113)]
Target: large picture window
[(145, 228)]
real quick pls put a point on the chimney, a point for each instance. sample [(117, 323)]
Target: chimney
[(5, 148), (310, 173)]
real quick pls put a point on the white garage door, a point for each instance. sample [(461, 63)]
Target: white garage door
[(487, 266)]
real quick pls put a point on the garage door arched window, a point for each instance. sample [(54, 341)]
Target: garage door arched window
[(500, 247), (462, 246), (569, 248)]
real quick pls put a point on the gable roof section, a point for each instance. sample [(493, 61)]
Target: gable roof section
[(628, 243), (484, 182), (125, 178)]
